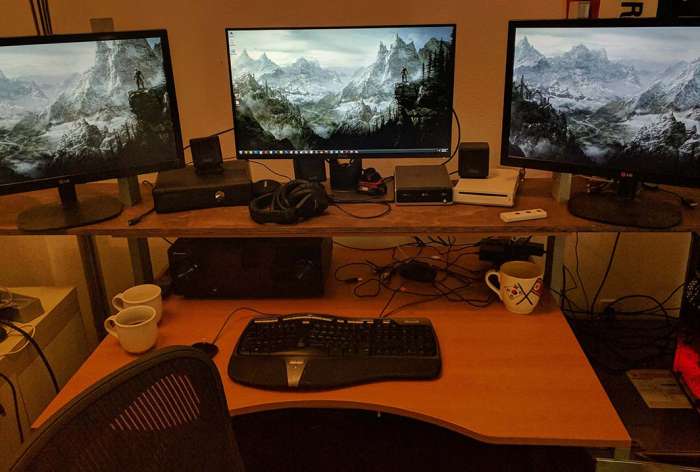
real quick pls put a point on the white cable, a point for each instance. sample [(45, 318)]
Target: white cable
[(29, 328)]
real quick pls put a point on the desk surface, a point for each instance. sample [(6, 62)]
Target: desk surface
[(507, 379), (403, 220)]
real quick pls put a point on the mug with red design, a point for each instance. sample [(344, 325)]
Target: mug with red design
[(520, 285)]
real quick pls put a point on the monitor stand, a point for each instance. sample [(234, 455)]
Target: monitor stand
[(628, 205), (344, 178), (69, 212)]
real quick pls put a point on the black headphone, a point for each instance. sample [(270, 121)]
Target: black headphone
[(290, 203)]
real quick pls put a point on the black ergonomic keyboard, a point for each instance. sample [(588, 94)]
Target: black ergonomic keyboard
[(313, 351)]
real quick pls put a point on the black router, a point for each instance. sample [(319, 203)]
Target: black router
[(422, 185)]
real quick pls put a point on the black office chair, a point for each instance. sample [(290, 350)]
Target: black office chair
[(163, 412)]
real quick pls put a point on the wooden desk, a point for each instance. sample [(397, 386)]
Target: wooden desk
[(236, 222), (507, 379), (403, 220)]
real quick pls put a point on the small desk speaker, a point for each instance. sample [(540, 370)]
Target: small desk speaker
[(206, 155), (473, 160)]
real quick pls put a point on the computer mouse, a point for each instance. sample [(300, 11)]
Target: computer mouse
[(262, 187), (207, 348)]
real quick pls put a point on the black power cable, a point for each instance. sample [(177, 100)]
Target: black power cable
[(137, 219), (39, 351), (269, 169), (47, 14), (211, 136), (16, 403), (578, 273), (443, 267), (44, 17), (459, 138), (605, 275), (614, 345), (34, 17), (385, 211), (40, 16)]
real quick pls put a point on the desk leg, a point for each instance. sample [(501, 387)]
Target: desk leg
[(95, 283), (554, 262), (140, 260), (692, 268)]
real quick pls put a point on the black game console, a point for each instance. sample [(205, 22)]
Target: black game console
[(422, 185), (184, 189), (250, 268)]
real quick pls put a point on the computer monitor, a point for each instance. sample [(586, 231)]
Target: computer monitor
[(618, 99), (81, 108), (324, 93)]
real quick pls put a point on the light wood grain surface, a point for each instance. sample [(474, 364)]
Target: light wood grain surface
[(235, 221), (507, 379)]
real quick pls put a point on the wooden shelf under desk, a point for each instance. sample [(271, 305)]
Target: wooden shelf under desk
[(403, 220), (506, 379)]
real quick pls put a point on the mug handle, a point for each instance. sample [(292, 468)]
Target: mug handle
[(109, 326), (491, 285), (118, 302)]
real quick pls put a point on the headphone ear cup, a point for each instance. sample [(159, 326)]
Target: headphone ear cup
[(262, 211), (288, 216), (260, 208), (306, 206), (321, 198), (308, 198)]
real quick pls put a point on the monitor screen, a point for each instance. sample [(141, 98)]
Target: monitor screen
[(604, 98), (85, 107), (372, 91)]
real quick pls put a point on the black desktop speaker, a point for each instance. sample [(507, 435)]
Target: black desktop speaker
[(473, 160), (206, 155), (310, 168)]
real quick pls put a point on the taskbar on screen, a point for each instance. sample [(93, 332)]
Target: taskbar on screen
[(338, 152)]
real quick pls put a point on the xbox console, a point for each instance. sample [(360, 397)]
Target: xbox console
[(184, 189), (498, 189), (422, 185)]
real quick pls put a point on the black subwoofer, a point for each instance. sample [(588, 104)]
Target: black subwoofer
[(250, 268)]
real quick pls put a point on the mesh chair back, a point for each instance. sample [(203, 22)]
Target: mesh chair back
[(164, 412)]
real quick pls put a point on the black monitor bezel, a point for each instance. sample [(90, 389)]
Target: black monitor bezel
[(525, 162), (38, 184), (380, 154)]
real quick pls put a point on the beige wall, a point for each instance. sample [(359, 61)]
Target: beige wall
[(650, 263)]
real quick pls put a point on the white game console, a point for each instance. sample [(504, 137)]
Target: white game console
[(498, 189)]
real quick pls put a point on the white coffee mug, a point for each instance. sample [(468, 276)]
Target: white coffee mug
[(520, 284), (135, 328), (146, 294)]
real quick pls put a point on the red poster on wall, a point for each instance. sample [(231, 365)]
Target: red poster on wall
[(610, 8), (582, 8)]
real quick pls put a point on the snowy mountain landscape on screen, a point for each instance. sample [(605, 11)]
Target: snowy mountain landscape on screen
[(77, 107), (615, 98), (343, 89)]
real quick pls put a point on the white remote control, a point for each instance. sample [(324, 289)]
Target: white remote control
[(523, 215)]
